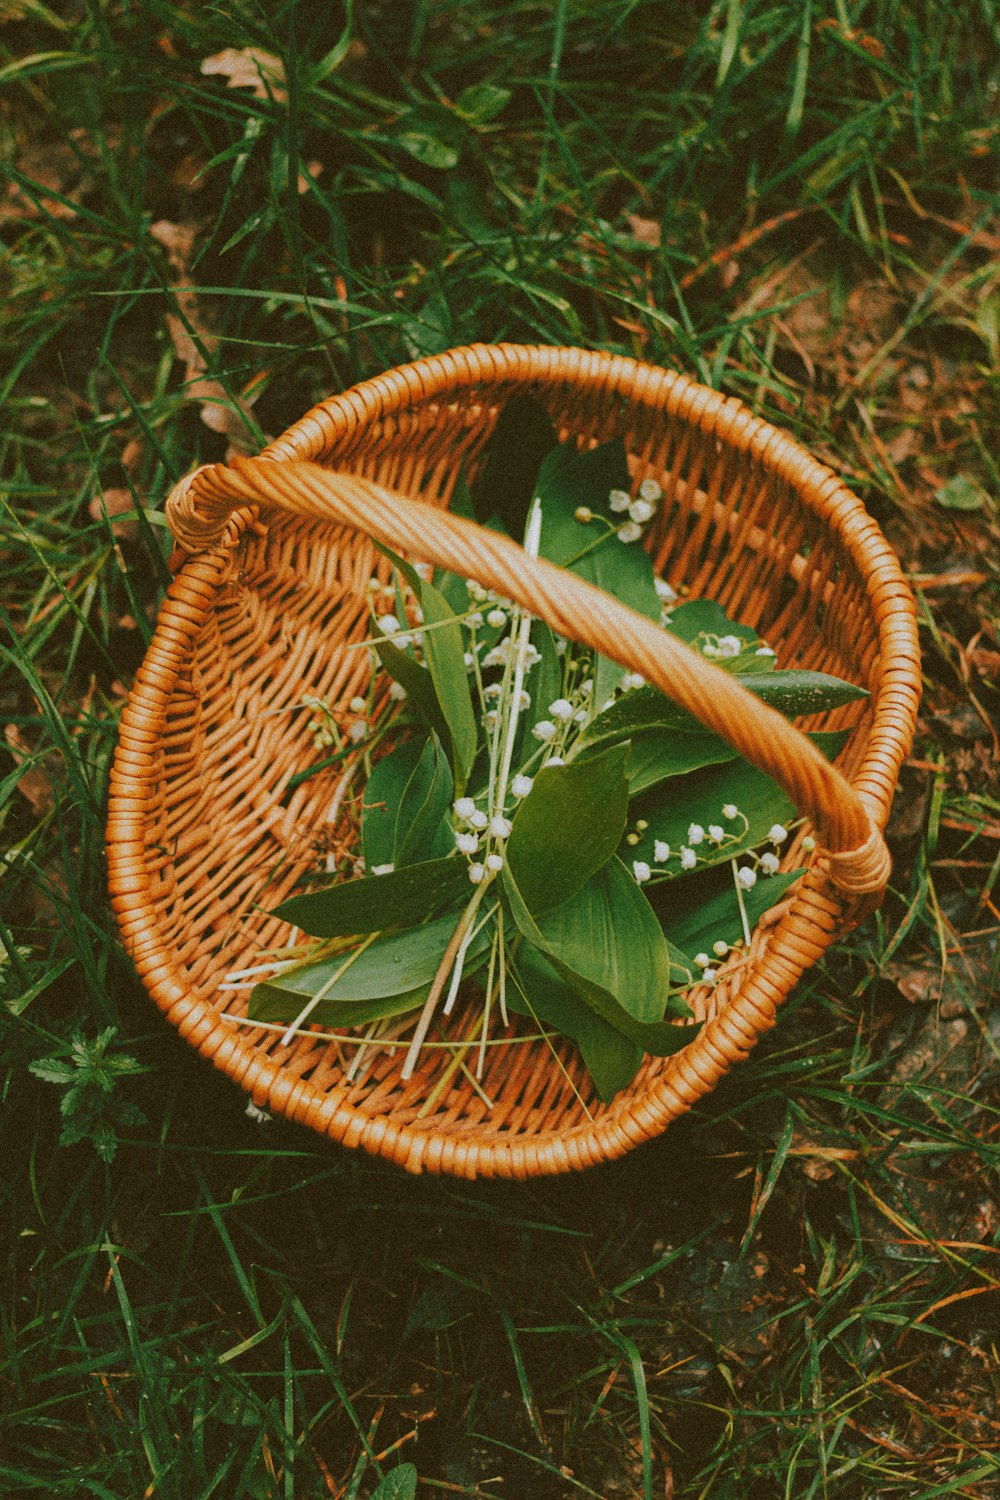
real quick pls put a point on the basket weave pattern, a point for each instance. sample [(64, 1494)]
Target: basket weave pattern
[(204, 836)]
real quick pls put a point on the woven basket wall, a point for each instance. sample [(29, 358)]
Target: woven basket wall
[(204, 836)]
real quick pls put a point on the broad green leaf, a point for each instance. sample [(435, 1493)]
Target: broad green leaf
[(699, 798), (795, 693), (657, 1037), (718, 918), (568, 827), (270, 1003), (660, 754), (399, 1484), (444, 649), (505, 485), (376, 902), (703, 617), (423, 805), (612, 1060), (567, 480), (381, 798), (481, 102), (419, 685), (395, 965), (607, 932)]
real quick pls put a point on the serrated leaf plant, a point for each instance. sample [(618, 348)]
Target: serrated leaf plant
[(543, 830)]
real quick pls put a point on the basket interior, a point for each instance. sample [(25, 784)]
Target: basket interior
[(226, 838)]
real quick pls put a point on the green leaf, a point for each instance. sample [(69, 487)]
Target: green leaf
[(399, 1484), (377, 902), (568, 827), (481, 102), (962, 493), (419, 685), (718, 917), (795, 693), (703, 617), (700, 798), (444, 649), (660, 754), (607, 933), (612, 1060), (657, 1037), (380, 802), (567, 480), (505, 485), (423, 806), (388, 978)]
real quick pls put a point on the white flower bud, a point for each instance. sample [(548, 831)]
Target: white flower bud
[(661, 851), (716, 832), (476, 873), (709, 976), (397, 692), (696, 834), (554, 760), (478, 819), (730, 646), (583, 514), (619, 500), (466, 843), (702, 960), (496, 618), (730, 810), (474, 620), (650, 490), (720, 949), (521, 785), (688, 858), (641, 870), (561, 709), (663, 591), (494, 862), (382, 869), (763, 651), (358, 706), (808, 843), (746, 878), (631, 681), (777, 834), (492, 690), (500, 826), (629, 531), (769, 864), (357, 731), (388, 624), (464, 807), (641, 511), (545, 730)]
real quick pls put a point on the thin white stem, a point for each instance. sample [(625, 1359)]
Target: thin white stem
[(532, 538), (325, 989), (444, 969), (740, 904), (364, 1041)]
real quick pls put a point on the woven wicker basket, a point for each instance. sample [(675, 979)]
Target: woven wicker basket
[(204, 836)]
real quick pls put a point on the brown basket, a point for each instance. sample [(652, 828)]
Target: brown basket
[(204, 836)]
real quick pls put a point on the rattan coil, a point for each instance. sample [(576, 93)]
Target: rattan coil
[(204, 835)]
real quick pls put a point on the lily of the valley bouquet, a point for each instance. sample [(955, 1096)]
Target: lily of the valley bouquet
[(543, 834)]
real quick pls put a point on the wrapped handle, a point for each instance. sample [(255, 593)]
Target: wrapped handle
[(201, 506)]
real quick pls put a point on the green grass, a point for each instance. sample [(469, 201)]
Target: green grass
[(794, 1292)]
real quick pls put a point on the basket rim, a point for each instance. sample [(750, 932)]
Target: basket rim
[(630, 1119)]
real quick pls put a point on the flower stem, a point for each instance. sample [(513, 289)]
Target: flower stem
[(448, 958)]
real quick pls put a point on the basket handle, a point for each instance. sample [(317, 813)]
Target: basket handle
[(200, 507)]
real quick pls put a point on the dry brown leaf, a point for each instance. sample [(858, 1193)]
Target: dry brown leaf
[(646, 231), (248, 68), (116, 502), (192, 339), (35, 785)]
